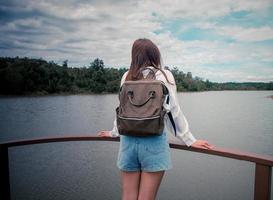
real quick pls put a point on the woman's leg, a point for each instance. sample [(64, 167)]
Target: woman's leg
[(130, 185), (149, 184)]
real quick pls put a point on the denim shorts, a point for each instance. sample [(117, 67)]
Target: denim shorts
[(150, 153)]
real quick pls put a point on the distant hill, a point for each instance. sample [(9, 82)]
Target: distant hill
[(26, 76)]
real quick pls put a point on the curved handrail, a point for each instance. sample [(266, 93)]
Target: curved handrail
[(223, 152), (264, 163)]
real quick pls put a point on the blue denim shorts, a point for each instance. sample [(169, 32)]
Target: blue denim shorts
[(150, 154)]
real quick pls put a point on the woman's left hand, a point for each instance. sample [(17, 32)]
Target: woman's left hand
[(104, 133), (203, 144)]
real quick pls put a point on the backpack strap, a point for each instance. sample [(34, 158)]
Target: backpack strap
[(171, 116), (152, 72)]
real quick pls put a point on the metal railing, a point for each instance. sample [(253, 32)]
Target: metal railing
[(263, 168)]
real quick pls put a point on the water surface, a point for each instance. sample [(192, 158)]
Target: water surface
[(87, 170)]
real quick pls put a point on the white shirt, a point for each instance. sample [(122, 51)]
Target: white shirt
[(182, 127)]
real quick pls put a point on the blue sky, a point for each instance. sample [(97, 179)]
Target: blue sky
[(221, 41)]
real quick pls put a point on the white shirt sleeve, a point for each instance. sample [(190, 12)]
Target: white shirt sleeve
[(114, 132), (182, 127)]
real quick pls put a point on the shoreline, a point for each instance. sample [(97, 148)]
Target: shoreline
[(107, 93)]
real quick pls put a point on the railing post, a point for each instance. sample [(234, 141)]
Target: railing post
[(4, 173), (262, 182)]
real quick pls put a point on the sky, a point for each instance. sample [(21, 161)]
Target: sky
[(219, 40)]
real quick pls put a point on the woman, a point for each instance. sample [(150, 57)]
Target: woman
[(143, 160)]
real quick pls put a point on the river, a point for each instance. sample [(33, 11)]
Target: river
[(87, 170)]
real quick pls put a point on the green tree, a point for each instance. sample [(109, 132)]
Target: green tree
[(37, 76)]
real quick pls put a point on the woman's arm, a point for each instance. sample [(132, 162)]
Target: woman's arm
[(182, 127), (114, 132)]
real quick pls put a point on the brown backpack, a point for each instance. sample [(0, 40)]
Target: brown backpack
[(141, 112)]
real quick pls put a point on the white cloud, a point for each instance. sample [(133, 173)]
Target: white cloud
[(31, 23), (248, 34), (247, 72), (201, 8), (80, 32)]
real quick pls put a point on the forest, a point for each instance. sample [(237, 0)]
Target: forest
[(28, 76)]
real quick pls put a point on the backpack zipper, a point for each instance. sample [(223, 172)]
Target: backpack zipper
[(135, 118)]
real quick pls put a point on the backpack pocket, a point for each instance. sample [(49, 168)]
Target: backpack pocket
[(140, 126)]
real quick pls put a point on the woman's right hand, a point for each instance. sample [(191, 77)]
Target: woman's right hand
[(203, 144), (104, 134)]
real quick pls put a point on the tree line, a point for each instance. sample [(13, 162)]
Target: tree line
[(27, 76)]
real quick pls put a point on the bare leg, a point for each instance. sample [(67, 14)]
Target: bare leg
[(149, 184), (130, 185)]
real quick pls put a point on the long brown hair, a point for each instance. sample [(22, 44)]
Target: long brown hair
[(144, 53)]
